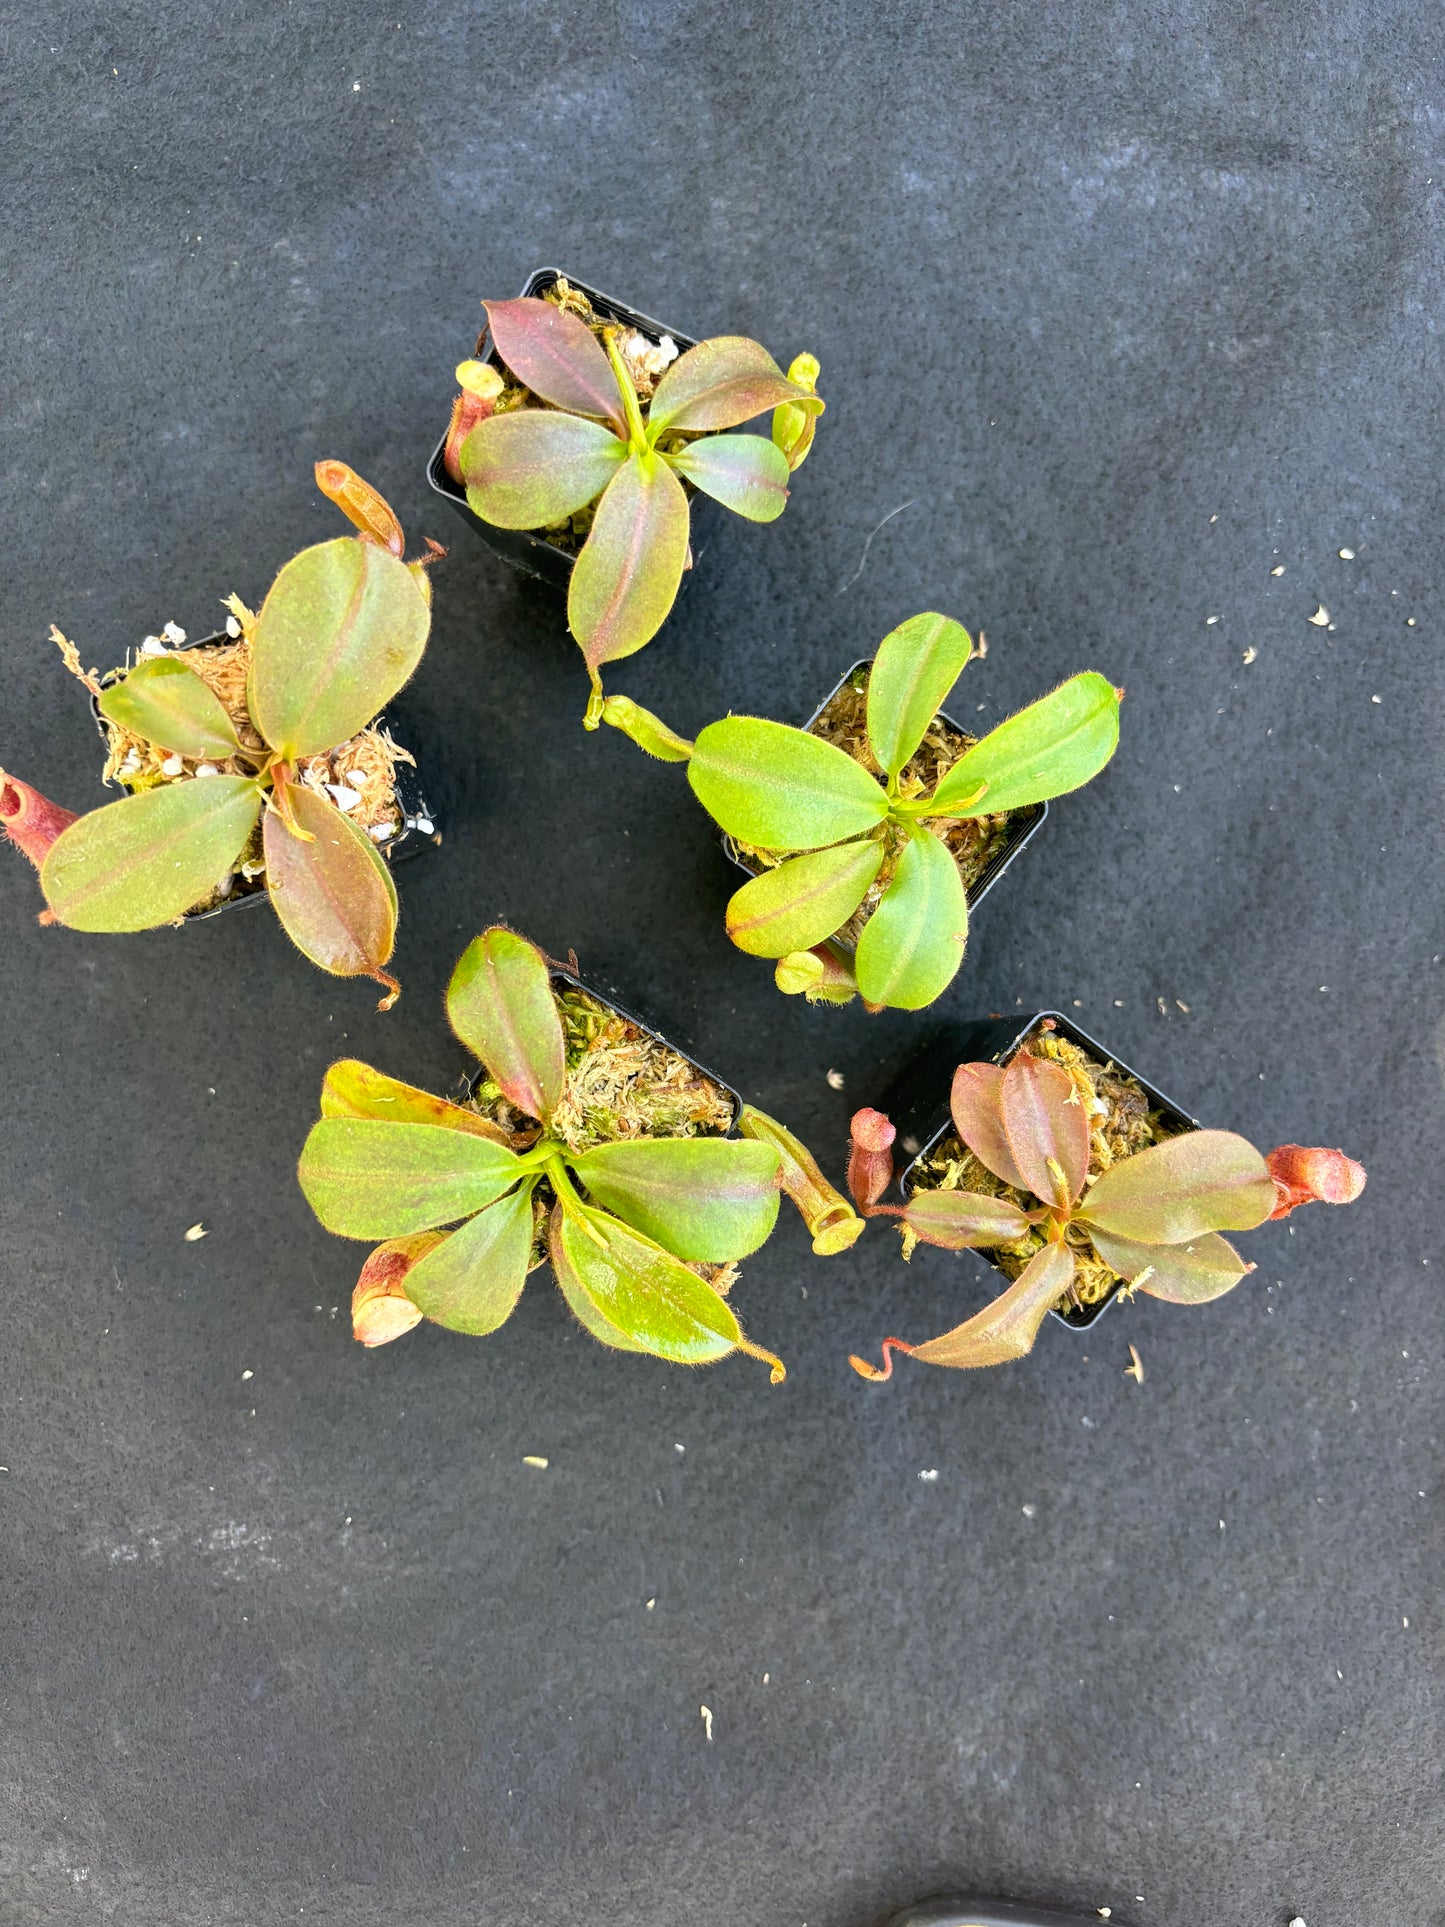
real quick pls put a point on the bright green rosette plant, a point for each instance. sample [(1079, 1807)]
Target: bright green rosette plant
[(852, 833), (594, 441), (641, 1232), (342, 628)]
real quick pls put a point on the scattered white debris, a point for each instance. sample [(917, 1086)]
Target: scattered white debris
[(233, 628), (196, 1233), (679, 1448), (173, 765), (425, 825), (1251, 654), (930, 1477), (207, 769), (342, 795), (1209, 621), (1320, 617), (1374, 699), (1409, 622), (1347, 555), (248, 1374), (1135, 1368), (380, 832), (706, 1712), (1298, 1921), (1278, 571), (1182, 1005), (1030, 1511), (1404, 1621), (650, 1604), (153, 646), (531, 1458), (1104, 1913), (835, 1080), (173, 633), (358, 778), (1118, 1003)]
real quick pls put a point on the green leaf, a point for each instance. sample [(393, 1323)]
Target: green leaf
[(912, 944), (500, 1004), (640, 1290), (364, 1179), (164, 701), (472, 1280), (978, 1119), (625, 580), (1054, 745), (916, 666), (1046, 1125), (1202, 1181), (780, 788), (1007, 1328), (531, 467), (333, 894), (343, 627), (649, 732), (720, 383), (803, 900), (743, 472), (147, 860), (580, 1305), (354, 1089), (556, 355), (964, 1220), (793, 427), (702, 1199), (1188, 1274)]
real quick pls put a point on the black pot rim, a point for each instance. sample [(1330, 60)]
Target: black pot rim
[(1031, 816), (411, 837), (1082, 1320), (523, 547), (564, 974)]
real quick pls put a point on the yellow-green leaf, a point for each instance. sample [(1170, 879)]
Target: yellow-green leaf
[(916, 666), (472, 1280), (147, 860), (164, 701), (780, 788), (703, 1199), (1203, 1268), (912, 945), (354, 1089), (343, 627), (500, 1004), (1054, 745), (803, 900), (365, 1179), (642, 1291), (744, 472), (720, 383)]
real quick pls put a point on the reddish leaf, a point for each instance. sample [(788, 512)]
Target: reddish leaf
[(31, 821), (380, 1308), (720, 383), (556, 355), (625, 580), (500, 1004), (531, 467), (1311, 1175), (1202, 1181), (964, 1220), (1188, 1274), (1007, 1328), (1047, 1127), (333, 894), (744, 472), (978, 1119)]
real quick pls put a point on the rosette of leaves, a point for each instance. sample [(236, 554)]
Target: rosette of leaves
[(1156, 1218), (342, 627), (784, 789), (461, 1205), (594, 441)]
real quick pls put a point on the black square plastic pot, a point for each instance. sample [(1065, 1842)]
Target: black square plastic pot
[(526, 549), (418, 827), (562, 977), (918, 1103), (1026, 825)]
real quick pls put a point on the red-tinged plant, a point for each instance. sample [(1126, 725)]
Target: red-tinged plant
[(342, 628), (642, 1230), (1154, 1218), (578, 436)]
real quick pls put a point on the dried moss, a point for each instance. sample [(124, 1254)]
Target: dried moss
[(1121, 1122), (975, 842), (621, 1084), (646, 362), (365, 763)]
